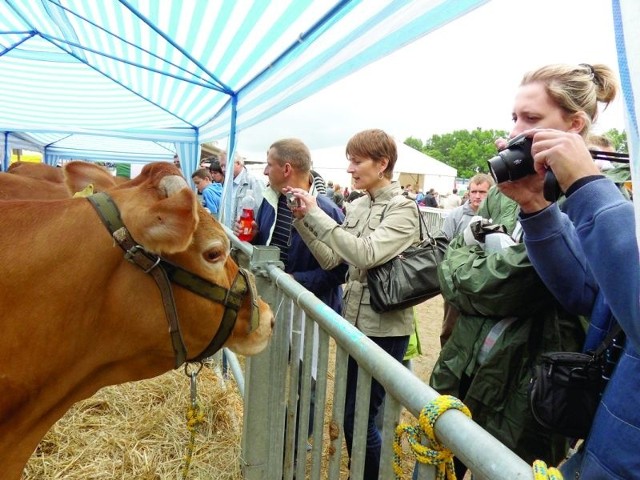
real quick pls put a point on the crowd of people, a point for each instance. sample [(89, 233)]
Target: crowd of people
[(522, 275)]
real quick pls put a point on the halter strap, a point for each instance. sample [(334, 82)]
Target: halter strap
[(165, 272)]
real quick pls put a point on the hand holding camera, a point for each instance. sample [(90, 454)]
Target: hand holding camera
[(292, 201), (516, 161), (564, 153), (299, 201), (562, 156)]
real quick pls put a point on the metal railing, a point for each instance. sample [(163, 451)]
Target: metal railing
[(275, 424), (434, 218)]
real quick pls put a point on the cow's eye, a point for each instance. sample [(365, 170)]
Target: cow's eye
[(214, 255)]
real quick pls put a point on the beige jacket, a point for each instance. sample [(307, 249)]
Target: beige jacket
[(363, 241)]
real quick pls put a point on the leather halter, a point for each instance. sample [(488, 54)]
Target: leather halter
[(165, 272)]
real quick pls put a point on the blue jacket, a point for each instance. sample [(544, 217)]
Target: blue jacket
[(588, 258), (324, 284), (211, 196)]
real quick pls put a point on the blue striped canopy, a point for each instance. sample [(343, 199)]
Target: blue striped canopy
[(138, 80)]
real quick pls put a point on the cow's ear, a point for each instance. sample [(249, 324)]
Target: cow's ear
[(167, 224), (79, 175)]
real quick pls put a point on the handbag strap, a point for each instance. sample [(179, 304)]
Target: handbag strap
[(421, 223)]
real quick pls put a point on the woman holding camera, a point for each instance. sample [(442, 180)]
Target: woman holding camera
[(378, 226), (508, 316), (567, 246)]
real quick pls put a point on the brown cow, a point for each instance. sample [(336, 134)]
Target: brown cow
[(40, 171), (25, 180), (13, 187), (77, 316)]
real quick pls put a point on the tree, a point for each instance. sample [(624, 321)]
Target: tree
[(466, 151), (619, 140), (414, 143)]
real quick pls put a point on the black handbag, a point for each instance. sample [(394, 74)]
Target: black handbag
[(409, 278), (565, 389)]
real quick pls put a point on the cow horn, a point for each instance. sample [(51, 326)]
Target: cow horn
[(172, 184)]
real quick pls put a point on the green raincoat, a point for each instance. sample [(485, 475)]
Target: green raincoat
[(487, 288)]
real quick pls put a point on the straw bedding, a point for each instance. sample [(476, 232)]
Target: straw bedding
[(138, 431)]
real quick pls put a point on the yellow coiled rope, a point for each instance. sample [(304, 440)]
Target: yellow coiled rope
[(435, 454), (438, 455), (195, 418), (542, 472)]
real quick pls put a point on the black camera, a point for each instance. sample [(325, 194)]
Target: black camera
[(292, 201), (514, 162)]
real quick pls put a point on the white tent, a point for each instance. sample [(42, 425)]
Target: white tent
[(423, 172), (412, 167)]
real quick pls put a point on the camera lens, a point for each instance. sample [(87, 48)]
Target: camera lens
[(513, 162), (498, 169)]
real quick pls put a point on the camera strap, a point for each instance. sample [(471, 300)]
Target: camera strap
[(608, 340), (610, 156)]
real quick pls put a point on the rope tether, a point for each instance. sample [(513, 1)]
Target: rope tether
[(195, 418), (542, 472), (437, 454)]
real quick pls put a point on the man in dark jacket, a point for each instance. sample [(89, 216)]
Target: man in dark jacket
[(289, 164), (429, 199)]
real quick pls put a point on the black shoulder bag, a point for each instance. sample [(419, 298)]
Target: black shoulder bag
[(409, 278), (566, 387)]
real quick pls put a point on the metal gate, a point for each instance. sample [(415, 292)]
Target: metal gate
[(278, 388)]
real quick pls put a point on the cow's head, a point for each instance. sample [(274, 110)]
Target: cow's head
[(164, 216)]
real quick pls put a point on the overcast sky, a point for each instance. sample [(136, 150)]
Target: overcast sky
[(462, 76)]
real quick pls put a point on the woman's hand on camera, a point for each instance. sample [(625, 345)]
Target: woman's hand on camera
[(306, 202), (565, 153), (526, 191), (501, 143)]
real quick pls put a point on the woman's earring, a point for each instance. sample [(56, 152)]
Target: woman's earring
[(380, 175)]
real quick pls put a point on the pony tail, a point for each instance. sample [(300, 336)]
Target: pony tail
[(606, 84)]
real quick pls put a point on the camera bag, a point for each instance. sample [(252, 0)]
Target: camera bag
[(565, 389)]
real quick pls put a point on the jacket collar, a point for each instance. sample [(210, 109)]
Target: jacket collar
[(385, 193)]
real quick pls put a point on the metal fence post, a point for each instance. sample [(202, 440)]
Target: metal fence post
[(256, 416)]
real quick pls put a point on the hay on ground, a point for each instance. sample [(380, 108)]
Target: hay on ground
[(138, 430)]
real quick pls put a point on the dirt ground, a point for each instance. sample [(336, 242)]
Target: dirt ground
[(429, 325)]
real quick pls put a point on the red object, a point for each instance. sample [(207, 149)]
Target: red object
[(246, 221), (246, 217)]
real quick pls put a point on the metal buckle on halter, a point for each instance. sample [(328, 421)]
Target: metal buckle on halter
[(130, 256)]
